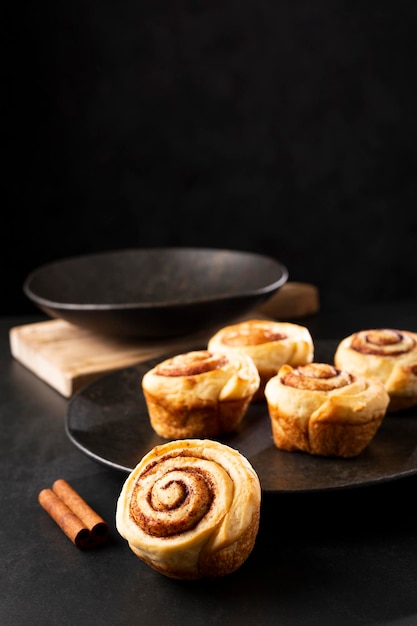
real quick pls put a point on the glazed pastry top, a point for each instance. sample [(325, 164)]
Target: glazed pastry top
[(207, 374), (322, 391), (387, 354), (269, 343), (384, 342)]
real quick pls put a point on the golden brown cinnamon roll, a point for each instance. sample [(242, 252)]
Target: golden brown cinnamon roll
[(199, 393), (388, 354), (322, 410), (190, 509), (270, 344)]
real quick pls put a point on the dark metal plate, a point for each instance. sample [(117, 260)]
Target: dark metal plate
[(108, 421)]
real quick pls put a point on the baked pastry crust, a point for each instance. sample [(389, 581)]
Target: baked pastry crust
[(270, 344), (388, 354), (190, 509), (199, 393), (324, 411)]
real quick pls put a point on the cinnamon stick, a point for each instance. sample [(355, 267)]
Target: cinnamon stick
[(98, 528), (81, 524), (69, 523)]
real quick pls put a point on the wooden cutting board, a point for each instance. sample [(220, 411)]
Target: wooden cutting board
[(67, 357)]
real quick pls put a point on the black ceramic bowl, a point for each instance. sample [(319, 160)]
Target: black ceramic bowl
[(154, 292)]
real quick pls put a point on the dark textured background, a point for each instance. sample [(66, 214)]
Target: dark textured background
[(284, 127)]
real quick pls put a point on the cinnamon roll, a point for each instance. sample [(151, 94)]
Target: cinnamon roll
[(270, 344), (323, 410), (388, 354), (199, 393), (190, 509)]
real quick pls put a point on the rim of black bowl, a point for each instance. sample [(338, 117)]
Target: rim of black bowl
[(46, 302)]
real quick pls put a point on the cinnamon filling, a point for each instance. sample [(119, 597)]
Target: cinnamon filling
[(317, 377), (251, 337), (191, 364), (384, 341), (174, 503)]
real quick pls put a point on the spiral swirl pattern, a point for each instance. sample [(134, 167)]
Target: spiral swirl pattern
[(191, 509), (388, 354), (191, 364), (320, 409), (252, 336), (384, 341), (268, 343), (316, 376), (199, 393)]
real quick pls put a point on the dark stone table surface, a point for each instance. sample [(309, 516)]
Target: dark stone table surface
[(343, 556)]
